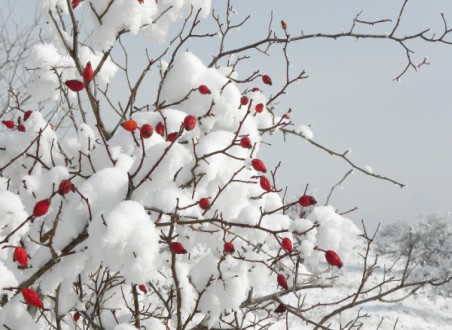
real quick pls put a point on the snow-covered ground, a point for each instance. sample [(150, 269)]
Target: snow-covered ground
[(428, 308)]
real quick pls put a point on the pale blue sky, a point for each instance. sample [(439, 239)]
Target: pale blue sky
[(402, 130)]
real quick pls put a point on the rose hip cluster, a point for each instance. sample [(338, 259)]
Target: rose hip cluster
[(10, 124), (147, 130), (331, 257), (20, 255), (76, 85), (189, 123)]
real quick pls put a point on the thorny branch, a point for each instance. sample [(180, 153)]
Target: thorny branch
[(343, 156), (169, 301)]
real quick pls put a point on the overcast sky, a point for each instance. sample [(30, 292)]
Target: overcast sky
[(401, 129)]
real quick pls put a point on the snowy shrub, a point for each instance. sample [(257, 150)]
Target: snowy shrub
[(432, 239), (137, 198)]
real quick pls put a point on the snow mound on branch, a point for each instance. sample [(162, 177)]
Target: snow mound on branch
[(305, 131), (15, 315), (333, 233), (51, 67), (47, 5), (202, 271), (122, 14), (153, 323), (152, 17), (40, 186), (159, 28), (64, 273), (187, 74), (162, 169), (368, 169), (86, 138), (12, 214), (103, 190), (305, 236), (276, 222), (227, 293), (37, 137), (7, 279), (166, 199), (124, 326), (130, 238)]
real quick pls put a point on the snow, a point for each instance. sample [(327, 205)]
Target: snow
[(104, 189), (276, 222), (368, 169), (7, 279), (40, 186), (201, 272), (153, 323), (15, 316), (134, 196), (334, 233), (129, 236), (46, 56), (308, 240), (12, 214), (305, 131), (427, 309), (124, 326)]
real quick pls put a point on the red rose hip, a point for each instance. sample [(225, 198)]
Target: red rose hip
[(307, 201), (266, 79), (65, 187), (88, 73), (283, 25), (172, 136), (286, 244), (280, 309), (282, 281), (41, 208), (245, 142), (228, 247), (130, 125), (76, 316), (32, 298), (142, 288), (204, 203), (189, 122), (203, 89), (27, 114), (160, 129), (333, 258), (265, 184), (259, 107), (75, 85), (177, 248), (8, 123), (146, 131), (258, 165), (21, 256)]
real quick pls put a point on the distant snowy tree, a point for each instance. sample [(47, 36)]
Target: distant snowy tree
[(134, 197), (432, 236), (16, 40)]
